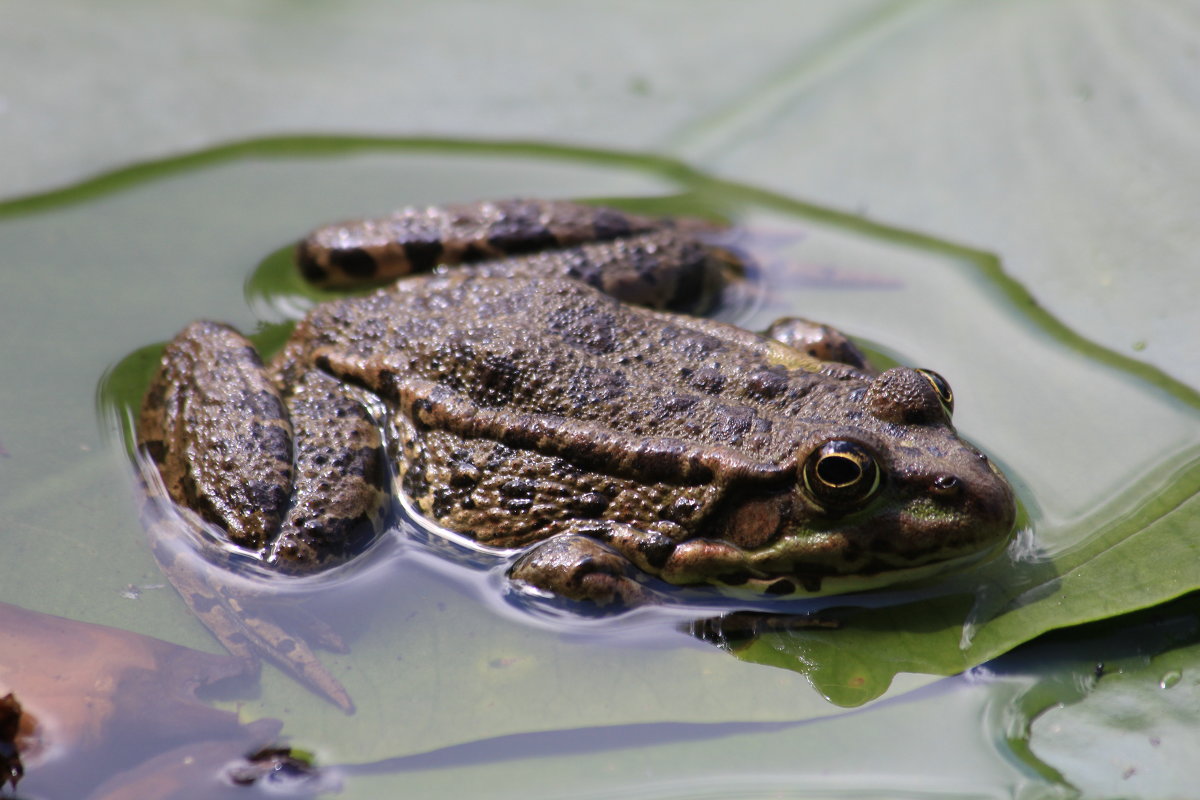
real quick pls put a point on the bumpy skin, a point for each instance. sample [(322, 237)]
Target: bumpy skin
[(546, 402)]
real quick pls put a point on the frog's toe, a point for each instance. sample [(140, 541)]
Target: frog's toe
[(292, 654), (578, 568)]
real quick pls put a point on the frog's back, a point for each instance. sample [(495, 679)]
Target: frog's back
[(553, 346)]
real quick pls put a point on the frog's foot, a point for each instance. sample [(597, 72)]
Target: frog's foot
[(241, 631), (819, 341), (580, 568)]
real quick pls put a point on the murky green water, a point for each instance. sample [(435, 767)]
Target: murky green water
[(444, 674)]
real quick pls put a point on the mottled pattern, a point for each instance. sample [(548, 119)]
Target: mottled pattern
[(524, 394), (417, 239)]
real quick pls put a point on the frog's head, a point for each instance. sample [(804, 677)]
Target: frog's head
[(886, 493)]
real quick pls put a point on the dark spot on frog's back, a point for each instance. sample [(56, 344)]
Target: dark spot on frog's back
[(707, 380), (674, 406), (690, 344), (589, 386), (495, 381), (592, 504), (731, 423), (589, 328), (767, 382), (518, 487)]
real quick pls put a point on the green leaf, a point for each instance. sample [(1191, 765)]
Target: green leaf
[(1134, 734)]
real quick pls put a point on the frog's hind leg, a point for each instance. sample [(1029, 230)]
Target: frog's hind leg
[(222, 610), (418, 239), (666, 269), (221, 437), (218, 431), (341, 498)]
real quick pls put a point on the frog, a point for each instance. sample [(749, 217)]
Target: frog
[(539, 378)]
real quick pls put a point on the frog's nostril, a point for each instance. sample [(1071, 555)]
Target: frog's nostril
[(946, 487)]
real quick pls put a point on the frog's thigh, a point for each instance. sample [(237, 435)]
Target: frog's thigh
[(341, 478), (817, 340), (217, 430), (577, 567), (664, 269)]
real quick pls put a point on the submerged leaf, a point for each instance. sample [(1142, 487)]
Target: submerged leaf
[(96, 699)]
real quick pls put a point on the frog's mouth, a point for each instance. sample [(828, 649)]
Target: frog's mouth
[(877, 576), (909, 544)]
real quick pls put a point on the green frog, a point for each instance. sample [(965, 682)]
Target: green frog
[(546, 388)]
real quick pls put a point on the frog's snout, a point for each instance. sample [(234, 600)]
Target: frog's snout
[(977, 494)]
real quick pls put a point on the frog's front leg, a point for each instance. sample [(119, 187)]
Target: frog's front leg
[(299, 478), (578, 567)]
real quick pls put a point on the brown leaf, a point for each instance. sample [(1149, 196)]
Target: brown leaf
[(96, 700)]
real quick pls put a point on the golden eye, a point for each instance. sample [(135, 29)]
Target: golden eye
[(942, 387), (841, 475)]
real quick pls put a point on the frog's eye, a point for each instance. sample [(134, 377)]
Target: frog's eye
[(942, 387), (841, 474)]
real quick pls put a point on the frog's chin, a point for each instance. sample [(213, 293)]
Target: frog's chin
[(814, 585)]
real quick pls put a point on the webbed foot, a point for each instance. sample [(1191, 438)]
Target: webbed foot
[(228, 615)]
